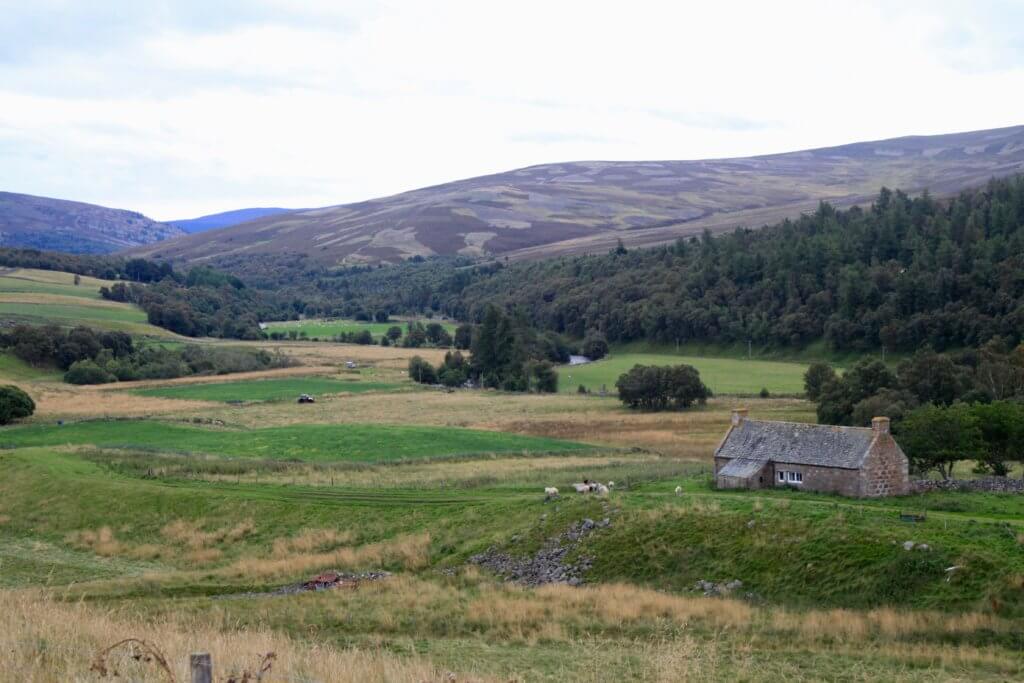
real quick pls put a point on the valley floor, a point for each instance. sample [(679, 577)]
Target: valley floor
[(175, 511)]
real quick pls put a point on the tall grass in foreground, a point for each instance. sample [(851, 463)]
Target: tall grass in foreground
[(42, 640)]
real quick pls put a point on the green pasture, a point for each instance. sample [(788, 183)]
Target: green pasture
[(725, 376), (285, 389), (13, 368), (310, 443), (32, 281), (325, 329)]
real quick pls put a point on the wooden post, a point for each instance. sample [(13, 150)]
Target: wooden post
[(201, 667)]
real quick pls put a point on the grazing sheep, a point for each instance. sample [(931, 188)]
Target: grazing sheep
[(602, 490), (611, 484), (679, 490), (550, 492)]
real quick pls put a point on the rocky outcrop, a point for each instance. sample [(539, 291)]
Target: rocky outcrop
[(549, 564)]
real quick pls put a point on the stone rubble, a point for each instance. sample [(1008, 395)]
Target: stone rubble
[(710, 588), (549, 564)]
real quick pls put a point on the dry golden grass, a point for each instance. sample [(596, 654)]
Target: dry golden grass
[(191, 535), (101, 541), (309, 540), (328, 353), (64, 400), (43, 640), (515, 611), (410, 551), (297, 370)]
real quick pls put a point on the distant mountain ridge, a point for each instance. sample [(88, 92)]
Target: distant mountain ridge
[(75, 227), (587, 206), (225, 219)]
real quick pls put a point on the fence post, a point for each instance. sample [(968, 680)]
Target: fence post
[(202, 668)]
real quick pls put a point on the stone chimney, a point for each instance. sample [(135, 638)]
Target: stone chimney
[(738, 416), (880, 425)]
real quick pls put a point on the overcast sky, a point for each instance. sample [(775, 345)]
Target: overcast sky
[(180, 108)]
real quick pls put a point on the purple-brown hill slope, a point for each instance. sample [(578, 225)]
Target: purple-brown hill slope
[(585, 206)]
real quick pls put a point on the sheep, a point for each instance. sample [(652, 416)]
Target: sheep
[(550, 492), (602, 490), (611, 484), (679, 490)]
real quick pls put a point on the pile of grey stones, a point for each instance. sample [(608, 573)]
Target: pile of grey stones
[(549, 564), (710, 588)]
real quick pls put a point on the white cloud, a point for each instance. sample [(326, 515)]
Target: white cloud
[(177, 112)]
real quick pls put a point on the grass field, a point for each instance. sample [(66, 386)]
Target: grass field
[(172, 527), (266, 389), (725, 376), (39, 297), (13, 368), (325, 329), (327, 443)]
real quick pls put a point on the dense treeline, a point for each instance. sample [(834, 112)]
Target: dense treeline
[(97, 357), (901, 273), (210, 307), (944, 407)]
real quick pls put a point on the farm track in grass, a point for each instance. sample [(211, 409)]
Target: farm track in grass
[(267, 389), (724, 376), (311, 442)]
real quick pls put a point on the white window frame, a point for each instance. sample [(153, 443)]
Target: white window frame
[(791, 477)]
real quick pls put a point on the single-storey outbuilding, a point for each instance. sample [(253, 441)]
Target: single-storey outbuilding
[(851, 461)]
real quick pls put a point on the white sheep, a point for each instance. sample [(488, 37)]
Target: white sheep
[(611, 484), (602, 490), (550, 492), (679, 490)]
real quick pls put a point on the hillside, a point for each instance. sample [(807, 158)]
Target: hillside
[(225, 219), (584, 207), (901, 273), (59, 225)]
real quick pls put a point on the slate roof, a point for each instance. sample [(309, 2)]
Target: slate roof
[(741, 467), (799, 444)]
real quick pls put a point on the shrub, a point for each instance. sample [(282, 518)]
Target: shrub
[(421, 371), (87, 372), (14, 404)]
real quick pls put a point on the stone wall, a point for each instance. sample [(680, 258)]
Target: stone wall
[(986, 485), (886, 471), (822, 479)]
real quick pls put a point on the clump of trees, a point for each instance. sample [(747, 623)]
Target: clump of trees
[(96, 357), (936, 437), (507, 354), (994, 372), (944, 407), (14, 404), (656, 387)]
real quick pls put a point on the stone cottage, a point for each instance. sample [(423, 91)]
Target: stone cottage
[(851, 461)]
